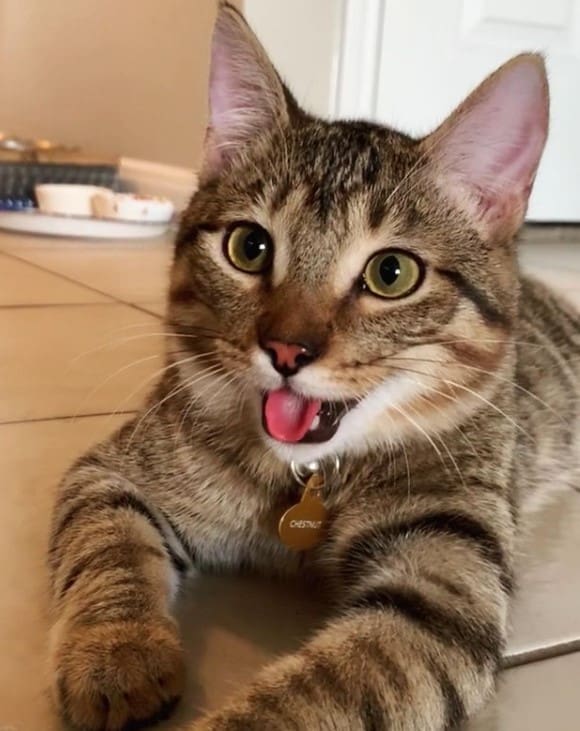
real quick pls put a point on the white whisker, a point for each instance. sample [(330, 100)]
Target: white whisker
[(157, 405)]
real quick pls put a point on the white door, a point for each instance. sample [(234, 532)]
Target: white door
[(409, 62)]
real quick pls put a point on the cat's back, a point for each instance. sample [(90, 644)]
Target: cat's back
[(548, 393)]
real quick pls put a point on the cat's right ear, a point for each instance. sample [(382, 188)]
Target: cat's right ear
[(246, 95), (487, 152)]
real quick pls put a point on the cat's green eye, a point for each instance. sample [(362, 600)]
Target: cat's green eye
[(392, 274), (248, 247)]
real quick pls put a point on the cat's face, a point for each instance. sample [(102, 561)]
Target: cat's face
[(339, 285)]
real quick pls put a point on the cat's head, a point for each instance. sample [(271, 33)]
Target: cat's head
[(340, 285)]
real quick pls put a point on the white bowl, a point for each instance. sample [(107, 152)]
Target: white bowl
[(67, 200), (36, 222), (132, 207)]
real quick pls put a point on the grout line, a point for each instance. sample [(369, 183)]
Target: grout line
[(541, 653), (57, 304), (111, 303), (143, 308), (41, 419), (66, 278)]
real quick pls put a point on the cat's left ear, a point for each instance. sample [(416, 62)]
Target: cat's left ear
[(246, 96), (487, 152)]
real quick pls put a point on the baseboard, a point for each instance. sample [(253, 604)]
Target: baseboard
[(152, 178)]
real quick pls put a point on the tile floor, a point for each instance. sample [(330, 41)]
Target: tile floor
[(80, 339)]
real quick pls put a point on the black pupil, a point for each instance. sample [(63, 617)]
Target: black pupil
[(255, 245), (390, 269)]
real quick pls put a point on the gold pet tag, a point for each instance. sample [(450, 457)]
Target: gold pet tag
[(302, 526)]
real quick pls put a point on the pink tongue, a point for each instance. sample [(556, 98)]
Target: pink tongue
[(288, 416)]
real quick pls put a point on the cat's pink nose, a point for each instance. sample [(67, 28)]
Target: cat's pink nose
[(288, 358)]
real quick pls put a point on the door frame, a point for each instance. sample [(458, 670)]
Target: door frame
[(357, 77)]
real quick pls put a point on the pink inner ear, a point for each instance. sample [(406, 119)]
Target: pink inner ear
[(221, 87), (245, 94), (494, 142), (237, 101)]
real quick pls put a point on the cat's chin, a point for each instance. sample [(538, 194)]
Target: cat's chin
[(367, 421), (303, 452)]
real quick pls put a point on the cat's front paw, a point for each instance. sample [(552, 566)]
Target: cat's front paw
[(116, 675)]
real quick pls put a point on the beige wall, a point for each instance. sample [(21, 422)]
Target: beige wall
[(303, 39), (117, 76)]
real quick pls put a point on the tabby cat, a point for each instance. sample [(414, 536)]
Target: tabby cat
[(339, 289)]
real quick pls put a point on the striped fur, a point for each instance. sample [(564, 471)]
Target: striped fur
[(419, 553)]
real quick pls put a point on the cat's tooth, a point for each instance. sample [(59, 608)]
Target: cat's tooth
[(315, 423)]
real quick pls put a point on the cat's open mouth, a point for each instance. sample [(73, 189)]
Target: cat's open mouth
[(289, 417)]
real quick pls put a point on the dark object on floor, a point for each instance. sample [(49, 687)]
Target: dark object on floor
[(17, 179), (26, 163)]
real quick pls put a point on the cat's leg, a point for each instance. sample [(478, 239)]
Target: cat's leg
[(418, 641), (115, 653)]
